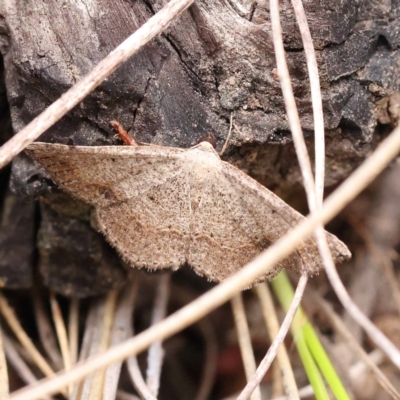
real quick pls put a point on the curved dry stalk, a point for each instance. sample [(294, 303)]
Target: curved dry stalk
[(279, 338), (264, 262), (4, 389), (156, 352), (120, 332), (137, 379), (271, 320), (155, 25), (373, 332), (291, 108), (61, 331), (246, 348), (341, 328), (316, 98), (46, 332)]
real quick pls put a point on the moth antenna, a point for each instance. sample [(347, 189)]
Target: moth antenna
[(123, 134)]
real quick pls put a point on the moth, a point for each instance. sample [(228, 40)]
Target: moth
[(164, 207)]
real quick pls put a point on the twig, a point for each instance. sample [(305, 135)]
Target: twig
[(264, 262), (61, 331), (156, 352), (120, 332), (46, 332), (73, 329), (283, 330), (271, 320), (155, 25), (341, 328), (4, 389), (246, 348)]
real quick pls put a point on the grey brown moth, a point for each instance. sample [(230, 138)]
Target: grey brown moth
[(163, 207)]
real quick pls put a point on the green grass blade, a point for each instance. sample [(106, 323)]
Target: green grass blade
[(309, 346)]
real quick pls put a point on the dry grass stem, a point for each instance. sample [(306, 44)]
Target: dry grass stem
[(90, 345), (97, 384), (342, 330), (154, 26), (272, 323), (211, 300), (46, 332), (374, 333), (73, 329), (17, 362), (121, 330), (316, 97), (137, 379), (156, 352), (61, 332), (279, 338), (4, 390), (244, 338), (24, 339), (291, 108)]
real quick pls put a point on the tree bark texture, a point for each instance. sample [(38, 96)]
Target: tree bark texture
[(215, 61)]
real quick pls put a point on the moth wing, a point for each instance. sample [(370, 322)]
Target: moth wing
[(237, 218), (106, 174), (140, 195)]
